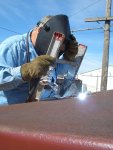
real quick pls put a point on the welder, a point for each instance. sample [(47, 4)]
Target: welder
[(23, 60)]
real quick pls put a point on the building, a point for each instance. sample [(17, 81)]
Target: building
[(92, 79)]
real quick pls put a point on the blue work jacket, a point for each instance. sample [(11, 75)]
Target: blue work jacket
[(13, 89)]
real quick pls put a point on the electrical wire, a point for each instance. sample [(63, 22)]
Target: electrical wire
[(84, 8), (90, 29), (9, 30)]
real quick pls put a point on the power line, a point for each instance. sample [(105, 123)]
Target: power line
[(89, 29), (84, 8), (86, 29), (9, 30)]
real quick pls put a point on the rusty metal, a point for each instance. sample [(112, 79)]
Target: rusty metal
[(68, 124)]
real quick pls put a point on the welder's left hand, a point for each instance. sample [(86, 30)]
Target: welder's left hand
[(71, 49)]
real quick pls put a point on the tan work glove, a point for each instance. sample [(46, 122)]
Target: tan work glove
[(71, 49), (36, 68)]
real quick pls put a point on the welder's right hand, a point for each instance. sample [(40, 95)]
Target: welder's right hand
[(36, 68), (71, 49)]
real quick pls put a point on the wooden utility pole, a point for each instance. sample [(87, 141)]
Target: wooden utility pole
[(105, 59)]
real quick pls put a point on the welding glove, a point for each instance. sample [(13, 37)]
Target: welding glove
[(36, 68), (71, 49)]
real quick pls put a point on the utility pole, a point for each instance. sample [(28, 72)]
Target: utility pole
[(105, 59)]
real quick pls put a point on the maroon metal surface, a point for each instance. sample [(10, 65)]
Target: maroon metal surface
[(68, 124)]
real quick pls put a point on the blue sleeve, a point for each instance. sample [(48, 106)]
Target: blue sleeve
[(10, 78), (10, 75)]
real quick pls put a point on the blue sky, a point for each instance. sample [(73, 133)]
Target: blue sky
[(21, 15)]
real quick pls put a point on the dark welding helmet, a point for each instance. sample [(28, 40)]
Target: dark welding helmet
[(49, 25)]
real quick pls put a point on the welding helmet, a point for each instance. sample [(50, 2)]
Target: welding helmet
[(49, 25)]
